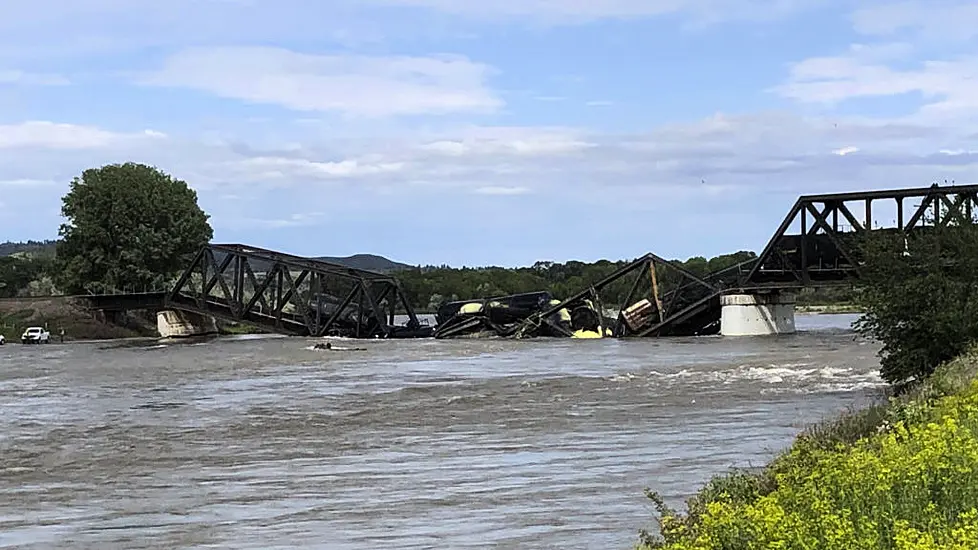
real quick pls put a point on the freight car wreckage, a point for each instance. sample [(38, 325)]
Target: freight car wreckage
[(653, 297)]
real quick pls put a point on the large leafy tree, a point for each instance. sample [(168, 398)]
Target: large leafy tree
[(129, 226), (920, 295)]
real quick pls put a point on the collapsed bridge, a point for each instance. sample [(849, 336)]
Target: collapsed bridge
[(293, 295), (816, 245)]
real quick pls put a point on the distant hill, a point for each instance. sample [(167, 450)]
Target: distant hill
[(30, 247), (370, 262)]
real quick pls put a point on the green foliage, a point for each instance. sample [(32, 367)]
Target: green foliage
[(130, 226), (17, 273), (897, 476), (920, 298), (842, 294), (428, 287)]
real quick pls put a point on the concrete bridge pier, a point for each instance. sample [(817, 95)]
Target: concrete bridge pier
[(757, 314), (180, 324)]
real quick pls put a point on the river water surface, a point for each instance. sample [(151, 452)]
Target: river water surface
[(267, 443)]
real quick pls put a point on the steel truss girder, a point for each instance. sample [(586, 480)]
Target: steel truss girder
[(823, 252), (289, 294)]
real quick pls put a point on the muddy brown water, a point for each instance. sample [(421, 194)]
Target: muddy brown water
[(267, 443)]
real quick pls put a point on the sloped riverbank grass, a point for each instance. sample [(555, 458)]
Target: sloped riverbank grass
[(900, 475)]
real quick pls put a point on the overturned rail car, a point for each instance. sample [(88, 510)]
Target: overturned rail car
[(650, 296), (505, 316), (497, 316)]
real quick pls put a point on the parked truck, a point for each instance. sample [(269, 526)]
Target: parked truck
[(35, 335)]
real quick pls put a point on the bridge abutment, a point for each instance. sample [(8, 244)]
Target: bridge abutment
[(757, 314), (180, 324)]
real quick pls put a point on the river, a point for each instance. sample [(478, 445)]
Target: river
[(266, 443)]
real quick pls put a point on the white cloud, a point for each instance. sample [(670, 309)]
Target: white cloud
[(350, 84), (930, 19), (50, 135), (936, 81), (719, 154), (510, 141), (834, 79), (285, 169), (669, 170)]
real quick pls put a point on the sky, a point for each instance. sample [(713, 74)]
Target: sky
[(487, 133)]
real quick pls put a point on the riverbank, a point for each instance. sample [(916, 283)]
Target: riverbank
[(901, 474), (80, 323), (58, 313), (828, 308)]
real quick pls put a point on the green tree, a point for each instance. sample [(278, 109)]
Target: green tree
[(16, 273), (129, 226), (920, 296)]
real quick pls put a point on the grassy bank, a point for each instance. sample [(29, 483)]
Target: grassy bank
[(77, 322), (899, 475)]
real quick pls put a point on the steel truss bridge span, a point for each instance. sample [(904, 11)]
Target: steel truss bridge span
[(293, 295)]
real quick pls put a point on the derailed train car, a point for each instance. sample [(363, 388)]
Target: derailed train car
[(497, 316), (505, 316)]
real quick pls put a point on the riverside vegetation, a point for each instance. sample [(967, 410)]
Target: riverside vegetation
[(901, 474)]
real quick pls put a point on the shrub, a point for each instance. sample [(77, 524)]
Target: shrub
[(920, 297)]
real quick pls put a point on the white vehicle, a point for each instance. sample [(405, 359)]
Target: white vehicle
[(35, 335), (2, 340)]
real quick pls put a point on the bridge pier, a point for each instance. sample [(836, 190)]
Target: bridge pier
[(757, 314), (179, 324)]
